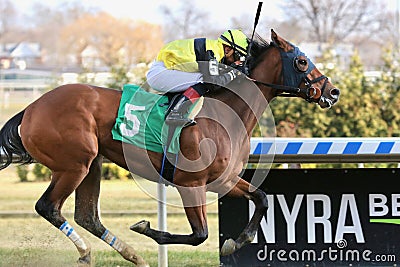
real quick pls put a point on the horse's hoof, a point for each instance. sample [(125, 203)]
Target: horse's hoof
[(228, 247), (140, 227), (84, 261)]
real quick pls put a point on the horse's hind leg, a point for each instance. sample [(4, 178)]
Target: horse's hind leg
[(49, 207), (87, 214)]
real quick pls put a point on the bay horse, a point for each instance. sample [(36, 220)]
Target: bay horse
[(68, 129)]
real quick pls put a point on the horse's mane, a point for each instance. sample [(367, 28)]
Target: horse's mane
[(258, 47)]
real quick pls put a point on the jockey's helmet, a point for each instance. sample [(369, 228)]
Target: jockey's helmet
[(235, 39)]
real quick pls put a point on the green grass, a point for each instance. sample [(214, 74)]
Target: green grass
[(61, 258), (32, 241), (136, 196)]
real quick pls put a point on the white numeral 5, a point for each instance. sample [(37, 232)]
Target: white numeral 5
[(131, 118)]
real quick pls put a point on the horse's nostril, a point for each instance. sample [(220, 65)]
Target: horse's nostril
[(335, 92)]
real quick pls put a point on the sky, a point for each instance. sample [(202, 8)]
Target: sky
[(220, 11)]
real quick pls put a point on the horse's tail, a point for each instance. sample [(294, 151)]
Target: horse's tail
[(11, 143)]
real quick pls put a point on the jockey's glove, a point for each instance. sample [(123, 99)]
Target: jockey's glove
[(242, 68), (223, 79)]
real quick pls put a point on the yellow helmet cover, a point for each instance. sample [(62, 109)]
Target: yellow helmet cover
[(235, 39)]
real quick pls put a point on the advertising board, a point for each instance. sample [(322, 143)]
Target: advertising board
[(319, 217)]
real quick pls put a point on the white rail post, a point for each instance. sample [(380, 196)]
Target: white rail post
[(162, 224)]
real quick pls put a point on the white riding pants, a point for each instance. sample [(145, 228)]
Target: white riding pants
[(165, 80)]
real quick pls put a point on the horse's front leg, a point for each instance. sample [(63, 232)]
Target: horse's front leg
[(242, 189), (194, 200)]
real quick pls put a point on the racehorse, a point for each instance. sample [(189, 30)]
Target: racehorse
[(68, 129)]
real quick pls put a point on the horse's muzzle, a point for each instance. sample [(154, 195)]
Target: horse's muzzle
[(330, 98)]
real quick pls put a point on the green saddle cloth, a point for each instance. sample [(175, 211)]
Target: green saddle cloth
[(140, 120)]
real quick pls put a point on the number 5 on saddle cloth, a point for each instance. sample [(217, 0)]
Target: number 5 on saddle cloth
[(140, 122)]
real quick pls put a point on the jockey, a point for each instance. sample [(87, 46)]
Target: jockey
[(185, 65)]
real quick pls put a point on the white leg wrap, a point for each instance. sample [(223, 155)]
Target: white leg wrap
[(113, 241), (69, 231)]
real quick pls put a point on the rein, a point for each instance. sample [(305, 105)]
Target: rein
[(291, 91)]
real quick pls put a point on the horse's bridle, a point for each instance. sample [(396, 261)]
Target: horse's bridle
[(292, 78), (290, 91)]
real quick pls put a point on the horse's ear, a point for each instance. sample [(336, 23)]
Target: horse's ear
[(282, 43), (274, 36)]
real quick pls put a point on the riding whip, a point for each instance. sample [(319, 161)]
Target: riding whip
[(254, 29)]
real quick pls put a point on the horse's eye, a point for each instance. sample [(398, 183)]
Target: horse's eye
[(300, 64), (303, 62)]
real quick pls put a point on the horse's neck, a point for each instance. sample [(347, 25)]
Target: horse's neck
[(244, 101)]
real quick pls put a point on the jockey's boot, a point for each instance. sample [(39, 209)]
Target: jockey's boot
[(177, 115)]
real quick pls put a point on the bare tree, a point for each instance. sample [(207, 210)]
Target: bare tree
[(113, 39), (390, 31), (185, 21), (335, 21), (7, 15), (44, 25)]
